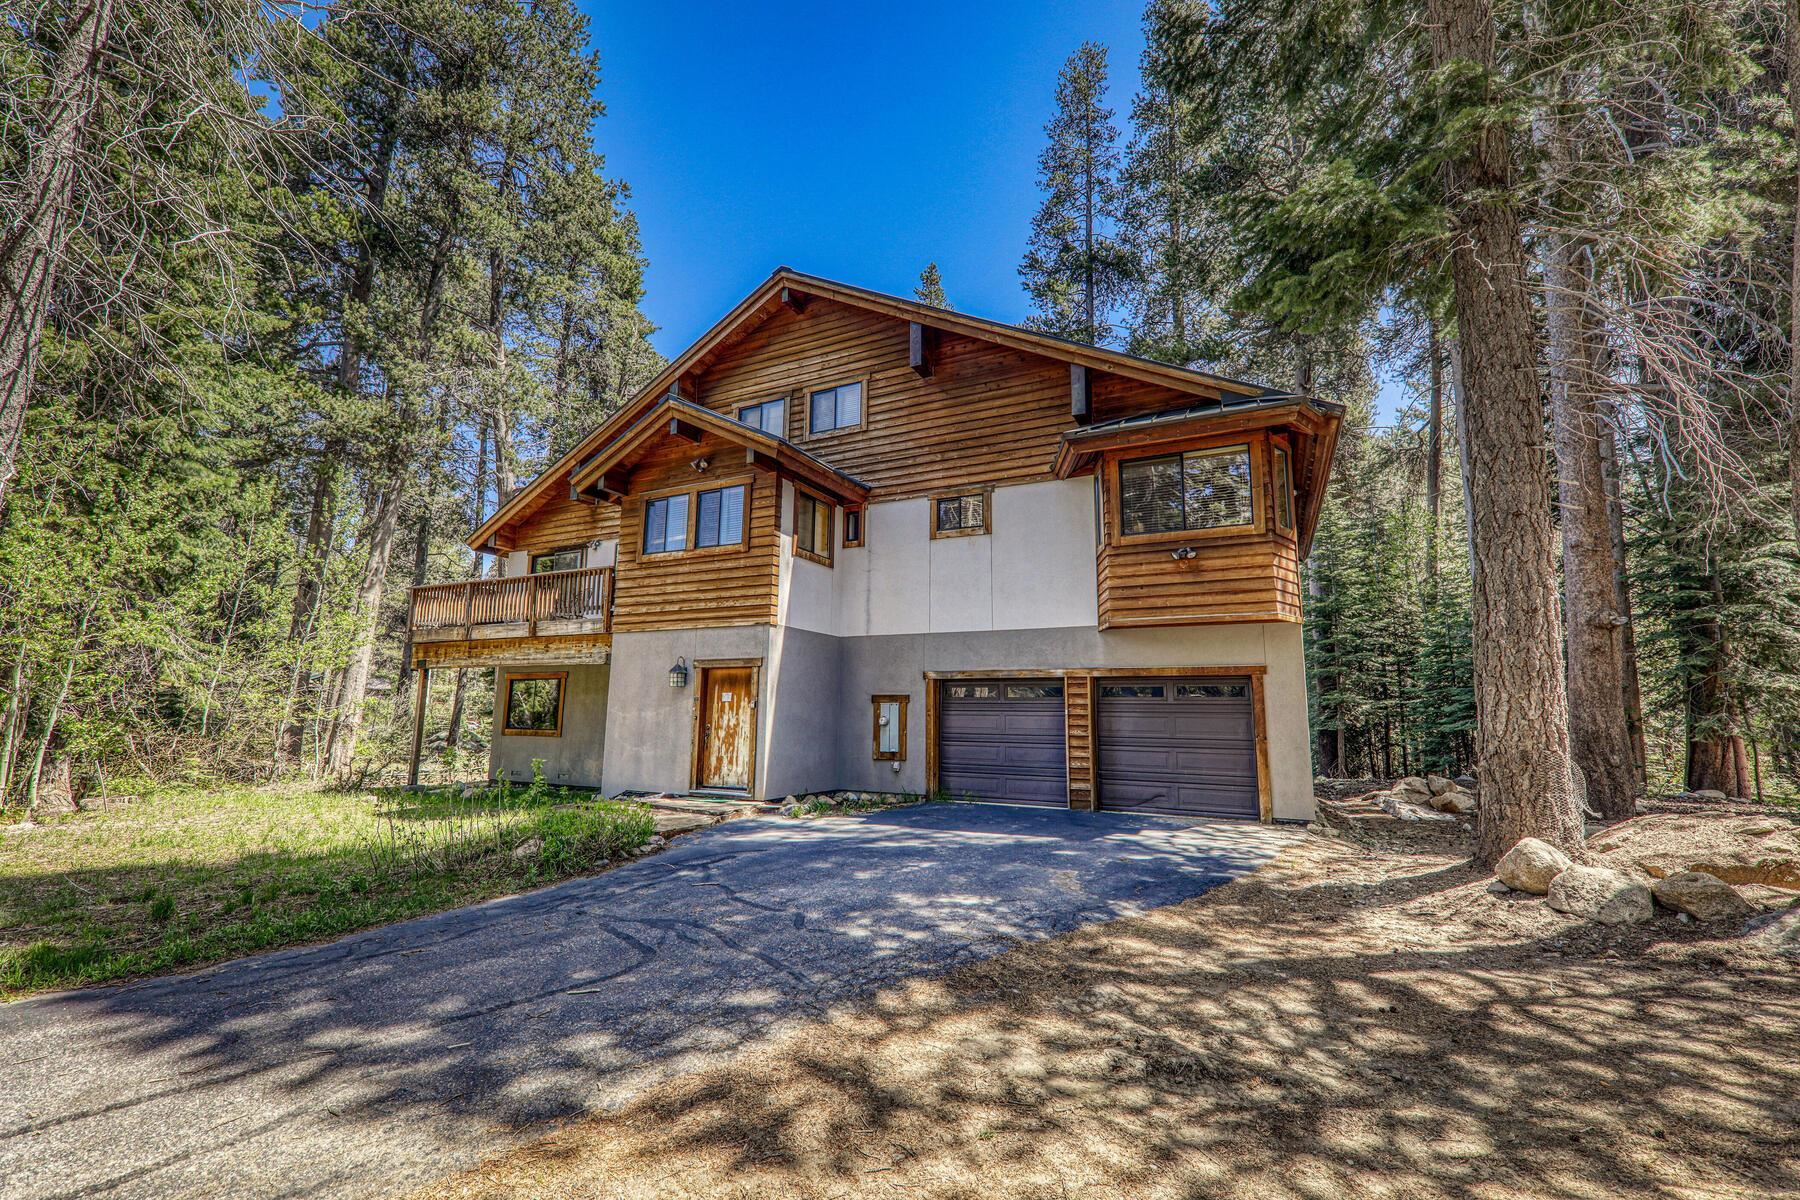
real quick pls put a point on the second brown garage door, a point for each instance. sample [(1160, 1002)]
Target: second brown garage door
[(1180, 746), (1002, 739)]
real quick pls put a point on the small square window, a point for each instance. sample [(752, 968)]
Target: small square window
[(958, 515), (890, 728), (836, 408), (812, 528), (533, 705), (853, 527), (770, 416)]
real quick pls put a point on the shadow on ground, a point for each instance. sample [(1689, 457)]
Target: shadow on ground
[(1340, 1025), (391, 1057)]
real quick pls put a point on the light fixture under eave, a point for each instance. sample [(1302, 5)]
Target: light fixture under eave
[(678, 673)]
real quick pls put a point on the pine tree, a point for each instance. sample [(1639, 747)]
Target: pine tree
[(931, 288), (1076, 270)]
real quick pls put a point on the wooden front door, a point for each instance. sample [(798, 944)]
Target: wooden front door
[(727, 726)]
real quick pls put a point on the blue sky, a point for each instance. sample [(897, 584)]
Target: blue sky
[(853, 141)]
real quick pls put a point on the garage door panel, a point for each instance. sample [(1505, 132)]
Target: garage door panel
[(1002, 742), (1182, 746)]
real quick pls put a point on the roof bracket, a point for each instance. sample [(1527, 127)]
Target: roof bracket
[(679, 428), (796, 301), (1081, 394)]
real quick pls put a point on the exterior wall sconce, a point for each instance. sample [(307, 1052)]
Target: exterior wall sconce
[(678, 673)]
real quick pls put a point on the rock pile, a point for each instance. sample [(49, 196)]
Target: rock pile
[(1691, 866), (1426, 798)]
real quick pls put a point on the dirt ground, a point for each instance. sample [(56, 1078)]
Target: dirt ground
[(1344, 1023)]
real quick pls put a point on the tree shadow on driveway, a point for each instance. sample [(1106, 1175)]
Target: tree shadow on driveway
[(392, 1056)]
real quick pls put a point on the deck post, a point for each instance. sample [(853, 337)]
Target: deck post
[(418, 737)]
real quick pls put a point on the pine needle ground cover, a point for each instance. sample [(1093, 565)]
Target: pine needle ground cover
[(178, 879)]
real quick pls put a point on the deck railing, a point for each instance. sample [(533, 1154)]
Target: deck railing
[(583, 595)]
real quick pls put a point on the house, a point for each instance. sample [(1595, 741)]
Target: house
[(850, 541)]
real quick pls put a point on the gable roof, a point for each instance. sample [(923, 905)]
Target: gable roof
[(658, 421), (785, 280)]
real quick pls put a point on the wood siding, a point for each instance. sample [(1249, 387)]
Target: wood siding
[(988, 415), (561, 523), (1248, 576), (1078, 709), (697, 588)]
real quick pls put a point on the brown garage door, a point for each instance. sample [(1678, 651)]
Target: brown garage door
[(1002, 739), (1180, 746)]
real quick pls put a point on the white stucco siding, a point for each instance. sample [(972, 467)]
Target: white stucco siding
[(1035, 570)]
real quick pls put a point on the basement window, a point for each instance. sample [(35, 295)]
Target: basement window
[(890, 728), (534, 705)]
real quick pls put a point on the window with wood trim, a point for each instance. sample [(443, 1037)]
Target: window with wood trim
[(959, 514), (1201, 489), (890, 728), (534, 705), (812, 527), (770, 416), (557, 560), (853, 525), (719, 517), (1284, 490), (834, 408), (666, 524)]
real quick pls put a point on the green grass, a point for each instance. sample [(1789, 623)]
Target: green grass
[(177, 879)]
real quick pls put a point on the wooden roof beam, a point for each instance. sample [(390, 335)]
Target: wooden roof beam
[(794, 301), (1081, 394), (921, 349)]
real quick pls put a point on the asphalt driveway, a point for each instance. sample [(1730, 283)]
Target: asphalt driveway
[(395, 1056)]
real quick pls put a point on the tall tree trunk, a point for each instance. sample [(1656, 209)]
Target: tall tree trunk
[(1615, 516), (453, 736), (1434, 456), (1793, 90), (9, 730), (1328, 757), (1522, 716), (371, 589), (32, 249), (309, 582), (1599, 735), (56, 708), (1715, 750)]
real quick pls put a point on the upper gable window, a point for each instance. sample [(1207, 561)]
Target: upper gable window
[(665, 524), (770, 416), (719, 517), (839, 407), (1202, 489)]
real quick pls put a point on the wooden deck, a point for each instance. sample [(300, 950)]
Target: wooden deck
[(474, 618)]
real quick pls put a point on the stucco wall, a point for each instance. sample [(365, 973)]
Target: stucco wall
[(897, 665), (577, 756), (802, 727), (650, 725)]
